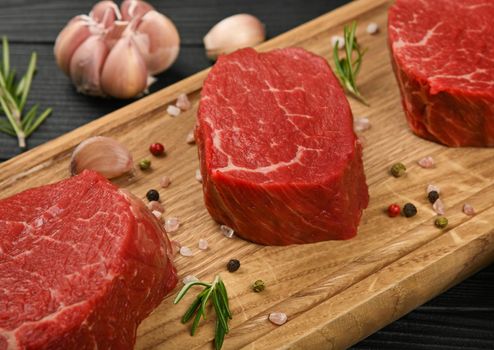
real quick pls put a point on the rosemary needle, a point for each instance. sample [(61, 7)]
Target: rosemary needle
[(13, 98), (215, 292), (347, 68)]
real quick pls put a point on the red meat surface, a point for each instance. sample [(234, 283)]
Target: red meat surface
[(279, 159), (81, 265), (443, 57)]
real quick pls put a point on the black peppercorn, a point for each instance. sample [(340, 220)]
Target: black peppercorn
[(409, 210), (233, 265), (433, 196), (153, 195)]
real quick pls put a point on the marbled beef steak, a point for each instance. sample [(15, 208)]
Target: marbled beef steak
[(279, 158), (81, 265), (443, 56)]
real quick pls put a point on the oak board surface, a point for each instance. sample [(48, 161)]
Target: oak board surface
[(334, 293)]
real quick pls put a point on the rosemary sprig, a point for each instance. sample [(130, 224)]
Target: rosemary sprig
[(13, 98), (216, 292), (347, 68)]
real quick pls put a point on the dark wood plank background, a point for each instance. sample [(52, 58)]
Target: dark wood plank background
[(461, 318)]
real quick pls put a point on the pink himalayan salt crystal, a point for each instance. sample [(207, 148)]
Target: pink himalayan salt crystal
[(361, 124), (426, 162), (175, 247), (172, 110), (156, 206), (171, 224), (186, 251), (468, 209), (278, 318), (183, 102), (191, 139), (165, 181), (202, 244), (227, 231), (198, 175), (157, 214), (438, 206), (189, 279), (431, 188)]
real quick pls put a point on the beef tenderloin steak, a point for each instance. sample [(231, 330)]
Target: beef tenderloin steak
[(443, 58), (82, 263), (279, 159)]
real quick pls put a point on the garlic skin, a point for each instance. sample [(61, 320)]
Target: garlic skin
[(116, 51), (102, 154), (232, 33)]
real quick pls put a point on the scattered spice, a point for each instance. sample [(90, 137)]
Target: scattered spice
[(145, 164), (171, 224), (278, 318), (338, 40), (157, 149), (372, 28), (186, 251), (172, 110), (227, 231), (190, 139), (426, 162), (394, 210), (157, 214), (175, 246), (198, 175), (156, 206), (189, 279), (468, 209), (233, 265), (203, 244), (433, 196), (398, 169), (153, 195), (409, 210), (183, 102), (258, 286), (165, 181), (431, 188), (361, 124), (438, 206), (441, 222)]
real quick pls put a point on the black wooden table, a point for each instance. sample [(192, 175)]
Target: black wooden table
[(461, 318)]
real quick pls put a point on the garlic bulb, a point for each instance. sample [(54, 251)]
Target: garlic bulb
[(233, 33), (115, 51), (102, 154)]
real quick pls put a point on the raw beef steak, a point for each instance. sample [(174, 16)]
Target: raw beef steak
[(279, 159), (443, 57), (81, 265)]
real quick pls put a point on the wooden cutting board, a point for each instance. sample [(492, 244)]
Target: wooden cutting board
[(334, 293)]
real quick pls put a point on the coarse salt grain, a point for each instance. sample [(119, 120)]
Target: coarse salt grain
[(372, 28), (171, 224), (431, 188), (227, 231), (186, 251), (438, 206), (361, 124), (468, 209), (175, 246), (165, 181), (183, 102), (198, 175), (203, 244), (337, 39), (189, 279), (278, 318), (172, 110), (157, 214), (426, 162), (156, 206), (190, 138)]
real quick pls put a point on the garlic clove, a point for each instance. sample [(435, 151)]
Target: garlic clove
[(232, 33), (124, 73), (69, 39), (158, 41), (115, 32), (134, 8), (86, 65), (102, 154), (105, 12)]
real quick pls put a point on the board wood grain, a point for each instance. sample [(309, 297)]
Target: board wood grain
[(334, 293)]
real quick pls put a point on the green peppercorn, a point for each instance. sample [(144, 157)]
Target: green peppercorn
[(441, 222), (398, 169), (145, 164), (233, 265), (433, 196), (258, 286), (409, 210), (153, 195)]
